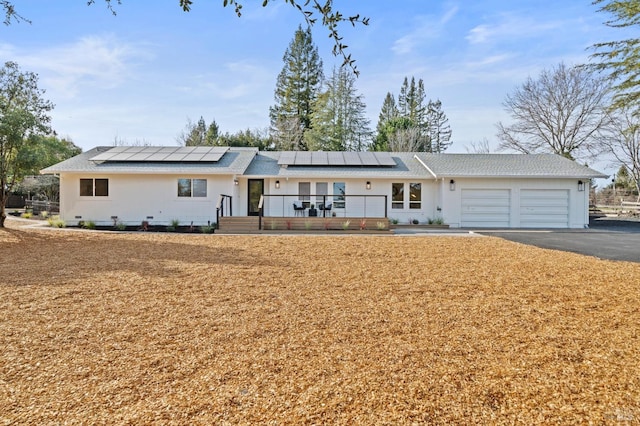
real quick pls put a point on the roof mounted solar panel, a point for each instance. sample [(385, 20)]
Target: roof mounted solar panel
[(335, 158), (385, 159), (352, 158), (162, 154), (368, 159), (287, 158), (319, 158)]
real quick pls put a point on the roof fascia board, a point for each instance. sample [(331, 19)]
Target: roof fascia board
[(425, 166)]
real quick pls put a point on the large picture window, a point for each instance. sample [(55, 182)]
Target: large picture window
[(94, 187), (397, 195), (415, 195), (192, 187)]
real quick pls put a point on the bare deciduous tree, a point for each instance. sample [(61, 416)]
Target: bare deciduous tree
[(622, 142), (287, 134), (561, 112), (406, 140), (479, 147)]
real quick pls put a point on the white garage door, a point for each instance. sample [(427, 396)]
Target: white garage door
[(544, 208), (486, 208)]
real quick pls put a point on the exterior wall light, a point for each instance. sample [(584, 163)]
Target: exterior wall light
[(580, 185), (368, 184), (235, 181), (452, 185), (277, 184)]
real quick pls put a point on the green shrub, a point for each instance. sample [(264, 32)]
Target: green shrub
[(55, 222), (89, 224), (307, 225), (174, 223), (394, 221), (436, 221), (26, 215), (345, 224), (44, 214), (381, 226), (120, 226), (207, 229)]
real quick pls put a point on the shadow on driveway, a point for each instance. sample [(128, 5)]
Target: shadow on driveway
[(606, 238)]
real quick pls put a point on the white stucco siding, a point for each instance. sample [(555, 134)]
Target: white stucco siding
[(134, 198), (530, 203)]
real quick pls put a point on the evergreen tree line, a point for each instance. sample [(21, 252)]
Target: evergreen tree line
[(313, 113)]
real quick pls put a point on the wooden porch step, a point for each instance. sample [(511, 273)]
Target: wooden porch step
[(238, 225)]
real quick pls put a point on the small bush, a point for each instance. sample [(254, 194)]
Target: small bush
[(174, 223), (436, 221), (345, 224), (273, 225), (363, 224), (26, 215), (55, 222), (207, 229), (44, 214), (120, 226), (381, 226), (394, 221), (89, 224), (307, 225)]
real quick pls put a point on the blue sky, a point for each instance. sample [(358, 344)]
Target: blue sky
[(139, 75)]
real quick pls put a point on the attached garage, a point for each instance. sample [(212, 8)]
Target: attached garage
[(486, 208), (544, 208)]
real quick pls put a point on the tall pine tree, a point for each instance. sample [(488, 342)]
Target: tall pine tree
[(412, 124), (297, 89), (339, 121), (439, 129)]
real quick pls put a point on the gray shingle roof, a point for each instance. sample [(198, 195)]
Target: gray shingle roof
[(506, 165), (252, 163)]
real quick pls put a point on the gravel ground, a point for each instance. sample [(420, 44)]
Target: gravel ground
[(142, 328)]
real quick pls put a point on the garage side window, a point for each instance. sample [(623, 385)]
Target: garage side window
[(397, 195), (415, 195), (192, 187), (94, 187)]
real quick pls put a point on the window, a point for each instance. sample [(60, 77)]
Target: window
[(415, 195), (192, 187), (304, 192), (322, 188), (397, 195), (338, 195), (94, 187)]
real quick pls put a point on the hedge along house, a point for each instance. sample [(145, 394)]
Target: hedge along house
[(198, 184)]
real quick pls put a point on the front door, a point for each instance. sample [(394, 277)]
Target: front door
[(256, 189)]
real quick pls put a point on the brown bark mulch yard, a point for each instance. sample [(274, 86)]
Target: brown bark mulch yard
[(103, 328)]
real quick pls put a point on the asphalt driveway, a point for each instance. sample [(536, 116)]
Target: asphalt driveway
[(606, 238)]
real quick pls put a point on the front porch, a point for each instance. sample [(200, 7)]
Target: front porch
[(305, 212)]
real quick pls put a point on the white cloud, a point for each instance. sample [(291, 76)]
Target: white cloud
[(510, 28), (429, 27), (93, 60)]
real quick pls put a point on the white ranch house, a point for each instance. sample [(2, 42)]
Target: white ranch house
[(197, 185)]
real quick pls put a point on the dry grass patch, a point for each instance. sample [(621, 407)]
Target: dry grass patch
[(184, 329)]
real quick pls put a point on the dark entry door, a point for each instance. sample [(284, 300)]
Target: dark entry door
[(256, 189)]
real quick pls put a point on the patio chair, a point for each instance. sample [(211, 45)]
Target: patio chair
[(298, 208), (325, 208)]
